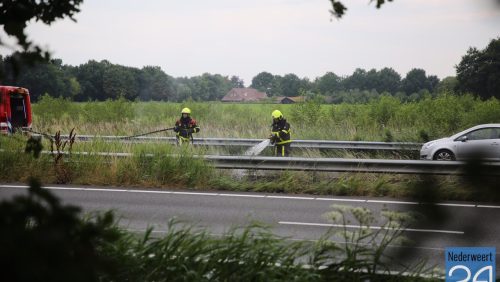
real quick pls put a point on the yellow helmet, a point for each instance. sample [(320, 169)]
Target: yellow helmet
[(277, 114), (186, 111)]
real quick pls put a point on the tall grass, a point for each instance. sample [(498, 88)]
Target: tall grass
[(254, 253), (164, 165), (157, 166), (374, 121)]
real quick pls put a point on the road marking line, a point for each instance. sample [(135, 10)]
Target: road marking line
[(14, 186), (488, 207), (370, 227), (289, 197), (149, 191), (95, 189), (392, 202), (241, 195), (84, 189), (340, 200), (252, 196), (455, 205), (66, 188), (195, 193)]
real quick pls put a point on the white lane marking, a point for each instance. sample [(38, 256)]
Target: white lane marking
[(371, 227), (488, 207), (290, 197), (195, 193), (250, 196), (241, 195), (391, 202), (455, 205), (341, 200), (98, 190), (14, 186), (63, 188), (82, 189), (150, 191)]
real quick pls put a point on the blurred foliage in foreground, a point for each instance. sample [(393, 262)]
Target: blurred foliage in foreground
[(44, 240)]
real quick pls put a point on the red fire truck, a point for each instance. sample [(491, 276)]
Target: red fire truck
[(15, 109)]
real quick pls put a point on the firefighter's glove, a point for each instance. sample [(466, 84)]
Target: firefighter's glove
[(176, 129), (273, 138)]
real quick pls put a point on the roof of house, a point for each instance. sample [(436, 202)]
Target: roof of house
[(244, 94), (297, 99)]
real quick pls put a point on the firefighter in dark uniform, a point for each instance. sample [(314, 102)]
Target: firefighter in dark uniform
[(280, 135), (185, 127)]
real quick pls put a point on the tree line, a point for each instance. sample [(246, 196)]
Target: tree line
[(103, 80), (477, 73)]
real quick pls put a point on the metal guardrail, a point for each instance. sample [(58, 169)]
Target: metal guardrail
[(349, 165), (306, 144), (330, 164)]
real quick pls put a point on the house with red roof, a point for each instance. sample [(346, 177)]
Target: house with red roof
[(244, 95)]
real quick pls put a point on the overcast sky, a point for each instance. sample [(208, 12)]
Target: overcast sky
[(243, 38)]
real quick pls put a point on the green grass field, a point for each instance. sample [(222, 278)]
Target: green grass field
[(384, 119)]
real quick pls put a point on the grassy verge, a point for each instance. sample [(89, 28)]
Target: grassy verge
[(175, 167)]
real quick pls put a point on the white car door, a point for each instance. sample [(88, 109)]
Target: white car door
[(482, 142)]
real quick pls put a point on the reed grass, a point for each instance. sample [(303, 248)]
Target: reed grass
[(374, 121)]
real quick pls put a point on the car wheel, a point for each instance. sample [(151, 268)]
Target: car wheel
[(444, 155)]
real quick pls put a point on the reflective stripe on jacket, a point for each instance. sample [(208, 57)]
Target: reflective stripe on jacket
[(281, 132)]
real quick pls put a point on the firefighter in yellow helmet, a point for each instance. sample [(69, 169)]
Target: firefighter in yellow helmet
[(280, 135), (185, 127)]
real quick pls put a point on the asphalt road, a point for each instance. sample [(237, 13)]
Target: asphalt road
[(298, 217)]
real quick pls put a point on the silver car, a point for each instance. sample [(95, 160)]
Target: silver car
[(482, 139)]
